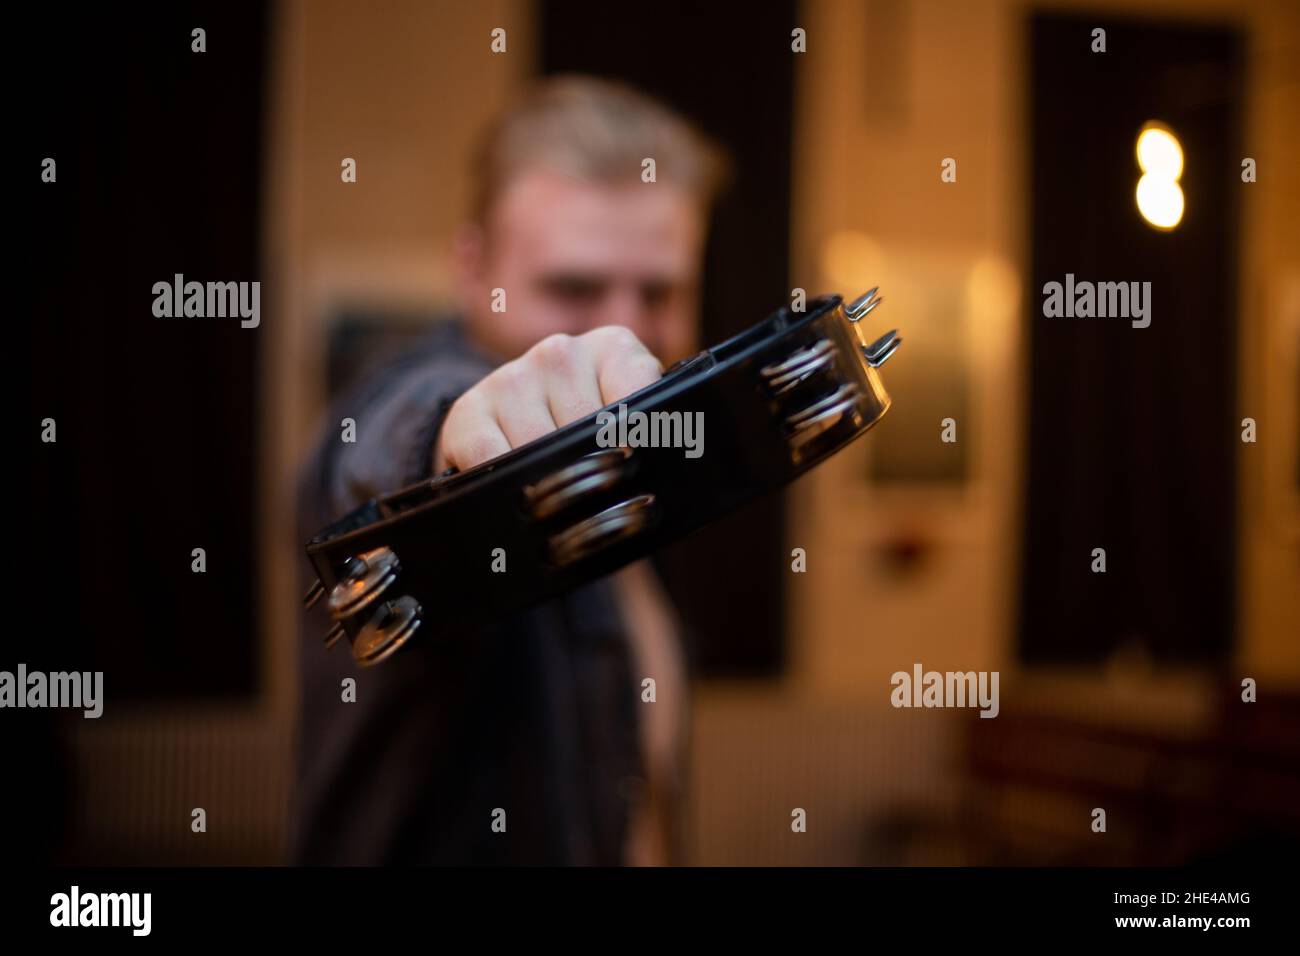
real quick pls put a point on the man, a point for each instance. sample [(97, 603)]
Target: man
[(528, 742)]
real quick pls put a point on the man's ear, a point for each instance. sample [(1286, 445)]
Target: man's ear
[(469, 261)]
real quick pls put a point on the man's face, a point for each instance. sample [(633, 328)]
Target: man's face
[(574, 255)]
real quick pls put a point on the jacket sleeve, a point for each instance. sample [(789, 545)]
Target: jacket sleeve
[(537, 713), (397, 414), (361, 764)]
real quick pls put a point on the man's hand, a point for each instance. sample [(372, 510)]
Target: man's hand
[(559, 380)]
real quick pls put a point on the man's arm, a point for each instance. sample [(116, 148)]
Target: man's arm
[(559, 380), (450, 408), (398, 413), (407, 769)]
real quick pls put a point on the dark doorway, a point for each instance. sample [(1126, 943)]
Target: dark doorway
[(733, 76), (1132, 432)]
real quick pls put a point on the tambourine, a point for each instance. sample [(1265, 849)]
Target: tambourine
[(718, 429)]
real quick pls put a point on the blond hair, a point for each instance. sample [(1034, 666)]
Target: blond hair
[(596, 130)]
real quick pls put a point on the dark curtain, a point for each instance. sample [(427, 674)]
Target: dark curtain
[(1132, 432), (158, 153)]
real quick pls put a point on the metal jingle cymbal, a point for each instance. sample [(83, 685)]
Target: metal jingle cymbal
[(602, 529), (392, 625), (369, 575)]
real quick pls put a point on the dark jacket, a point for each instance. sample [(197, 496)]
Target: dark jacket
[(536, 717)]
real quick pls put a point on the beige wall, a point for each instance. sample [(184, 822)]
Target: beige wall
[(826, 735), (404, 87), (964, 75)]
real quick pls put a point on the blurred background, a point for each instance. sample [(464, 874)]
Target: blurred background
[(1120, 690)]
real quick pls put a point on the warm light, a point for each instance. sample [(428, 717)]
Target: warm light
[(851, 260), (1160, 156), (1158, 151), (992, 290), (1160, 200)]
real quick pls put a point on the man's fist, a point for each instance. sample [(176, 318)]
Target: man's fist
[(559, 380)]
